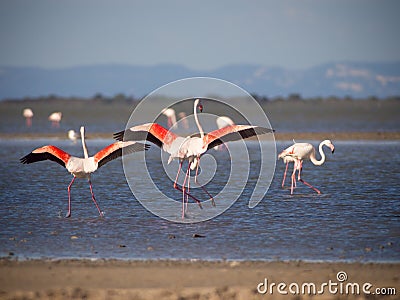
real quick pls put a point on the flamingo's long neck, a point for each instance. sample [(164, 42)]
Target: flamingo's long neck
[(321, 152), (196, 118), (85, 152)]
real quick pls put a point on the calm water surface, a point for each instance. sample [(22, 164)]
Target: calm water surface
[(357, 218)]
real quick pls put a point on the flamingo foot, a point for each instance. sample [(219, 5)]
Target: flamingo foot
[(213, 202), (68, 215)]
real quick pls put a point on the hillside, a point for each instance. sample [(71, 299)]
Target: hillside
[(357, 80)]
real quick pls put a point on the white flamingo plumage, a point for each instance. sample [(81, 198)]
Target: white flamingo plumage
[(82, 167), (189, 148), (299, 152)]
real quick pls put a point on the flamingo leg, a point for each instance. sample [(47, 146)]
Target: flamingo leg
[(293, 177), (181, 190), (310, 186), (300, 167), (94, 199), (188, 190), (307, 184), (202, 187), (28, 122), (69, 198), (284, 174)]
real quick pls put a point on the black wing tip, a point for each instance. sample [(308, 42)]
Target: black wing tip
[(265, 129), (142, 147), (136, 147), (26, 159), (119, 136)]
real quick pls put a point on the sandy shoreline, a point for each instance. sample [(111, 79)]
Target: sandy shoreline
[(115, 279), (279, 136)]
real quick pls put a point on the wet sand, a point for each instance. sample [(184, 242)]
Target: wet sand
[(113, 279), (279, 136)]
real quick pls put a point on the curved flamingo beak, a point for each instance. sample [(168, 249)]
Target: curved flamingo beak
[(332, 148), (200, 108)]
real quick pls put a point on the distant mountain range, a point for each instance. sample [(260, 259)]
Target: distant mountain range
[(334, 79)]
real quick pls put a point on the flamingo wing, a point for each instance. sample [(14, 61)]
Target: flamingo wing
[(48, 152), (114, 151), (151, 132), (233, 133)]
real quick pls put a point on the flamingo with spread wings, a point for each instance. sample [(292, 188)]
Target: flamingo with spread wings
[(82, 167), (299, 152), (189, 148)]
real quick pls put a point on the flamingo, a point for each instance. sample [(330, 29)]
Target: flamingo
[(170, 114), (28, 115), (55, 119), (73, 136), (82, 167), (222, 122), (189, 148), (299, 152), (183, 120)]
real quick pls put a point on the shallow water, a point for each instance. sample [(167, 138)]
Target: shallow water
[(356, 218)]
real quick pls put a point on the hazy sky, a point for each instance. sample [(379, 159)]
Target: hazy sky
[(198, 34)]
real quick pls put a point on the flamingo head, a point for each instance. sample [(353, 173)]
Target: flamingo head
[(199, 105), (330, 145)]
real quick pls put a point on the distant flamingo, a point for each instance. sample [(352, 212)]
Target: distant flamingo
[(189, 148), (170, 114), (28, 115), (55, 119), (222, 122), (299, 152), (82, 167), (183, 120), (73, 136)]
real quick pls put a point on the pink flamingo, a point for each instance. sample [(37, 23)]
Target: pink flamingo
[(222, 122), (55, 119), (28, 115), (189, 148), (183, 120), (170, 114), (299, 152), (82, 167)]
